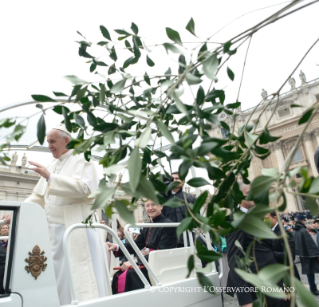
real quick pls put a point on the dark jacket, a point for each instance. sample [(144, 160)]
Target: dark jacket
[(3, 254), (306, 249), (261, 249), (317, 159), (177, 214), (279, 249)]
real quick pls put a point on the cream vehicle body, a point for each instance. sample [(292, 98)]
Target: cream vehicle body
[(167, 269)]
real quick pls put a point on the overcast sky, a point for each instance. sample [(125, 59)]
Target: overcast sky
[(38, 43)]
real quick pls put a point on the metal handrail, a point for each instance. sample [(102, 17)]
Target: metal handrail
[(137, 250), (74, 300), (4, 238)]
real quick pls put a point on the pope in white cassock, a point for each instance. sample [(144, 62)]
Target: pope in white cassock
[(63, 192)]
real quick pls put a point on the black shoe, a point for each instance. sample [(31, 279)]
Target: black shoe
[(316, 292)]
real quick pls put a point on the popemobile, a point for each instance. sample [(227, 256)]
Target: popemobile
[(29, 278)]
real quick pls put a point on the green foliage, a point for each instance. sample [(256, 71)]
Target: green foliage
[(131, 113)]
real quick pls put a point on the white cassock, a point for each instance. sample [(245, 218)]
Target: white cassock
[(65, 202)]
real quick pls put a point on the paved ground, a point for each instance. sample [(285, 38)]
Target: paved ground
[(232, 302)]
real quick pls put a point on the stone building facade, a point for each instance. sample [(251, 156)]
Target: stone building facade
[(284, 123)]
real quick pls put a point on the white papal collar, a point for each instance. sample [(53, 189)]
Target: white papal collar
[(66, 155)]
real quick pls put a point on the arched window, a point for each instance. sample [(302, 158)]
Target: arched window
[(298, 155)]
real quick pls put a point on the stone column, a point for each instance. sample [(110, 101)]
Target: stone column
[(291, 201), (279, 155), (310, 152), (316, 133)]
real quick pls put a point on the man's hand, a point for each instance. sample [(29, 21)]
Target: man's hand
[(41, 170), (112, 246), (125, 266)]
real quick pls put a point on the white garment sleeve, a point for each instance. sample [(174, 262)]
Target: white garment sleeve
[(35, 198), (65, 186)]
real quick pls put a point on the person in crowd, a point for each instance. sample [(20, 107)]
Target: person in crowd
[(4, 232), (279, 246), (316, 222), (63, 191), (103, 222), (316, 157), (152, 238), (308, 251), (260, 249), (177, 214)]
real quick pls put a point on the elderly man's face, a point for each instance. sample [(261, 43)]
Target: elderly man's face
[(57, 144), (152, 209)]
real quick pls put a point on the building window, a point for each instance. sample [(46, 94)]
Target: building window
[(283, 112), (298, 155), (224, 132)]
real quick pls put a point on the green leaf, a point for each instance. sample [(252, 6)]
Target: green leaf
[(128, 62), (108, 138), (174, 36), (254, 226), (184, 225), (190, 265), (261, 184), (233, 105), (171, 186), (184, 168), (271, 172), (197, 182), (92, 67), (199, 202), (192, 80), (149, 61), (171, 47), (209, 255), (113, 55), (42, 98), (226, 47), (144, 138), (113, 169), (134, 166), (118, 87), (41, 129), (174, 203), (164, 130), (230, 74), (273, 273), (205, 283), (146, 189), (210, 66), (134, 28), (7, 122), (200, 97), (305, 298), (124, 212), (67, 122), (147, 79), (79, 120), (304, 118), (105, 33), (80, 93), (250, 138), (59, 94), (102, 93), (191, 26), (102, 200), (112, 69), (75, 80), (314, 188), (179, 104), (91, 119), (266, 138)]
